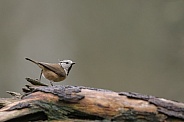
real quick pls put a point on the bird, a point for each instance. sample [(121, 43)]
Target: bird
[(54, 72)]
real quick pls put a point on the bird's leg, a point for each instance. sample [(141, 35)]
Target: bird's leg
[(40, 75)]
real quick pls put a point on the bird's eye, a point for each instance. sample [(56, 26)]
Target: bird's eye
[(66, 62)]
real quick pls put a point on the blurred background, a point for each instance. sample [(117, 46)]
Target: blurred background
[(120, 45)]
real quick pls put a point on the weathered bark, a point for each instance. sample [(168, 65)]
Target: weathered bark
[(69, 103)]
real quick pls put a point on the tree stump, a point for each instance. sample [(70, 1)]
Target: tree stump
[(41, 102)]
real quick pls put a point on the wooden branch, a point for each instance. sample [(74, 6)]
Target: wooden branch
[(78, 103)]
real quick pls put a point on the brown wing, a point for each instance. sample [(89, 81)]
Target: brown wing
[(56, 68)]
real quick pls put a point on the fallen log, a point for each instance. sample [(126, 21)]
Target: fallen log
[(77, 103)]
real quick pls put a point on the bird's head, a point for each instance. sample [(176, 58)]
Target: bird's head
[(67, 65)]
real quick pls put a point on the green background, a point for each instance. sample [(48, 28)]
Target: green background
[(120, 45)]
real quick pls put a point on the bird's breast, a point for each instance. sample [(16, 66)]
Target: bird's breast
[(52, 76)]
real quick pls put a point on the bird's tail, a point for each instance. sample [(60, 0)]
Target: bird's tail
[(31, 60)]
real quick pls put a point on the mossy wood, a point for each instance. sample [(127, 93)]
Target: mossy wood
[(77, 103)]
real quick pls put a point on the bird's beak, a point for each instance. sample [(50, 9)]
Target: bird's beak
[(73, 63)]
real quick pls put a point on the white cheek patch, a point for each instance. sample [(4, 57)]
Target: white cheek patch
[(66, 71)]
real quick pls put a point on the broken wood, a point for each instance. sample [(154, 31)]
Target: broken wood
[(78, 103)]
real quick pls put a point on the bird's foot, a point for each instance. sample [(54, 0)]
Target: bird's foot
[(51, 83)]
